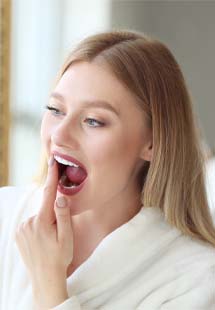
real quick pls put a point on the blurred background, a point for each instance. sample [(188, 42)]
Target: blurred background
[(42, 32)]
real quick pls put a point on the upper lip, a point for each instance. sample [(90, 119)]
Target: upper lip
[(70, 158)]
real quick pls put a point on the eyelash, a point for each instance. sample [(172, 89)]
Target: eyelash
[(57, 112)]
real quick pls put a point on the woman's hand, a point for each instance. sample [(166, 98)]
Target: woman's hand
[(45, 242)]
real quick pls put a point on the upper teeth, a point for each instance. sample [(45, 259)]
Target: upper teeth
[(64, 161)]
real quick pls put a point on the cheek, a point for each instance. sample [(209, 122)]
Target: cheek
[(109, 148)]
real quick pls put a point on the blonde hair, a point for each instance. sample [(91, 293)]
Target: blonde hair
[(174, 180)]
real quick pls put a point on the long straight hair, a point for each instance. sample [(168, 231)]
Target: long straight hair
[(174, 180)]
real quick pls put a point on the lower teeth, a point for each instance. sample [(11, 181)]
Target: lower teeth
[(70, 186), (66, 183)]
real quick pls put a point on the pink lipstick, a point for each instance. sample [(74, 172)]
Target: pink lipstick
[(72, 176)]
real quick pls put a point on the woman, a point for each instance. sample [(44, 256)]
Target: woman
[(121, 218)]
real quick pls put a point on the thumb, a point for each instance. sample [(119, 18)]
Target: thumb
[(63, 219)]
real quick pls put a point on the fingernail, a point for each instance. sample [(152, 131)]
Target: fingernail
[(51, 161), (61, 202)]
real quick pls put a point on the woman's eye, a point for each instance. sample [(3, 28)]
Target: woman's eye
[(53, 110), (93, 122)]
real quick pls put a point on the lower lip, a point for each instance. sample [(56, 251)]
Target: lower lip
[(70, 191)]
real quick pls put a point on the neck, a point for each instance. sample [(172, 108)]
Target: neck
[(93, 225)]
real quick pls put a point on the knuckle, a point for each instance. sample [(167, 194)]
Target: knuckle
[(63, 217), (46, 189), (31, 219), (40, 219), (25, 225), (39, 223)]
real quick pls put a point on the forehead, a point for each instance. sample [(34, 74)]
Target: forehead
[(85, 81)]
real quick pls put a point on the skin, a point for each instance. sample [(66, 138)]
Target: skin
[(40, 241), (108, 199)]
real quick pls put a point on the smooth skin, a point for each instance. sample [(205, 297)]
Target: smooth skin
[(45, 242), (57, 241)]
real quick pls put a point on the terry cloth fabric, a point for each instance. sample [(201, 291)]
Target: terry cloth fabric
[(210, 185), (145, 264)]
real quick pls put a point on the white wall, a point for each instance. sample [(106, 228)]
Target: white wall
[(188, 28), (43, 32)]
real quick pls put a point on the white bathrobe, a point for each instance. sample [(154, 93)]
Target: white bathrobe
[(210, 184), (143, 264)]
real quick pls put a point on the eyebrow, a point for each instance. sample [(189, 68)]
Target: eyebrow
[(88, 103)]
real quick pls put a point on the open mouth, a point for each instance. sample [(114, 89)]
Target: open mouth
[(71, 175), (67, 179)]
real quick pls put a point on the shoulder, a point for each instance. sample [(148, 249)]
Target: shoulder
[(167, 244), (187, 268), (7, 192), (186, 253), (210, 166), (193, 255), (192, 264), (193, 286), (181, 252), (11, 196), (176, 271), (210, 184)]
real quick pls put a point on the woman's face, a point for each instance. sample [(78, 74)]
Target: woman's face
[(110, 139)]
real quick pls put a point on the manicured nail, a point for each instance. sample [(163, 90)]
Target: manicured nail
[(51, 161), (61, 202)]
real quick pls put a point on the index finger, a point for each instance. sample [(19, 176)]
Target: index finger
[(46, 211)]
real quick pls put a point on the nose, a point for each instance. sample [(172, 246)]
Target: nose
[(64, 134)]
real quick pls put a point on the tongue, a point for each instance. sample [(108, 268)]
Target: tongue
[(75, 174)]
